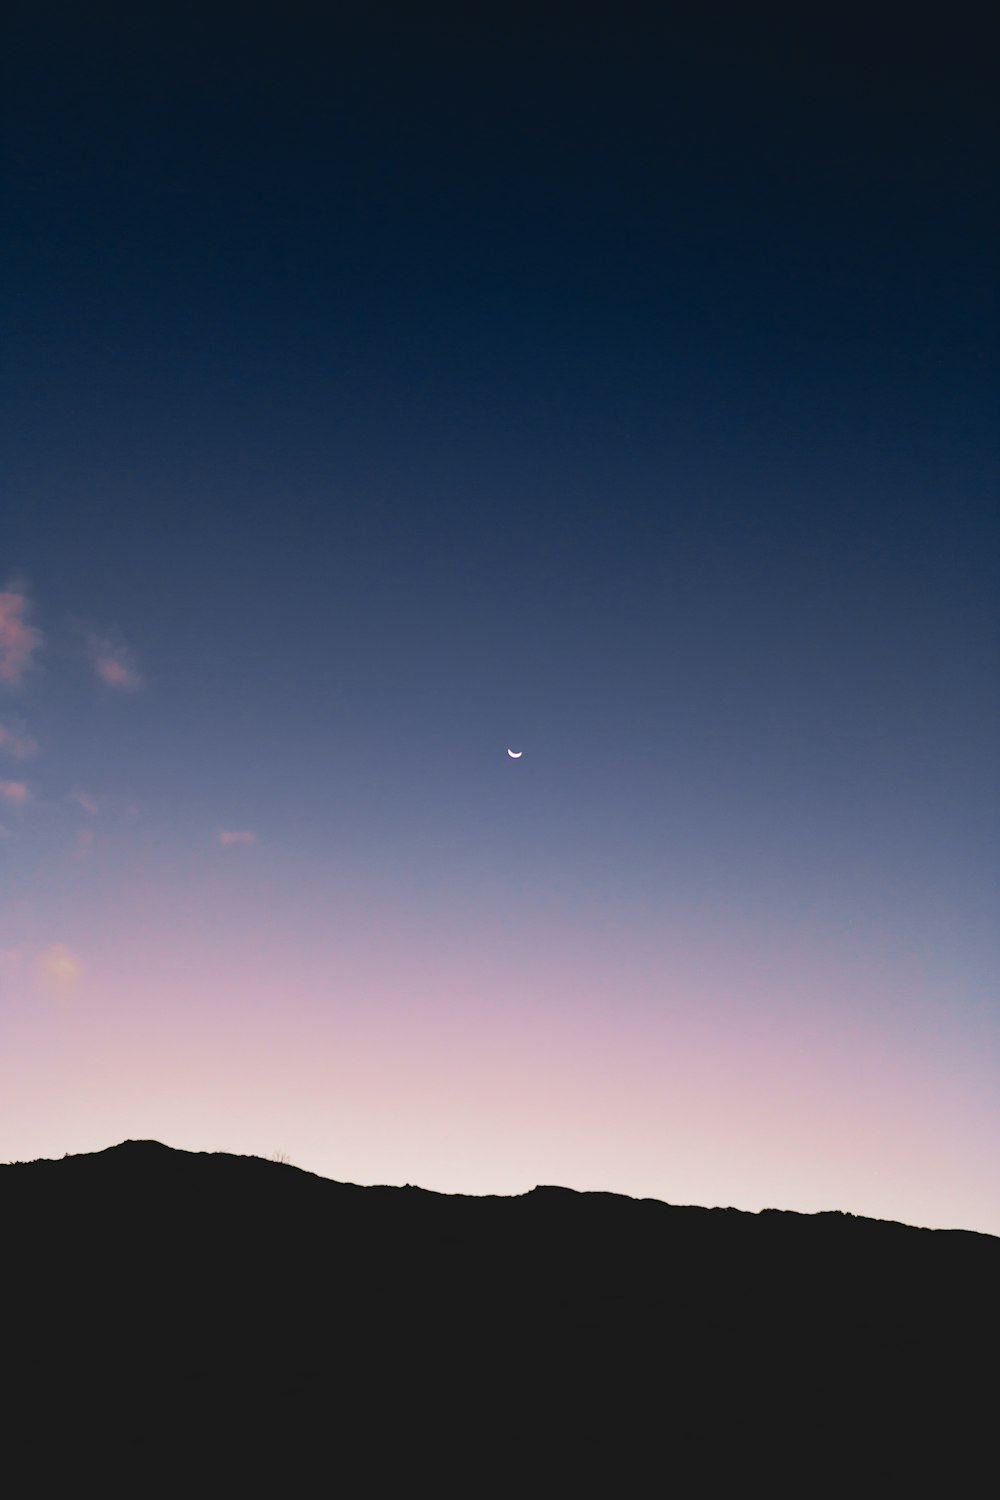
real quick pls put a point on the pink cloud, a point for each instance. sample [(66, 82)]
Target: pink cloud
[(15, 793), (18, 639), (58, 970), (229, 837), (14, 741), (86, 801), (113, 662), (84, 842)]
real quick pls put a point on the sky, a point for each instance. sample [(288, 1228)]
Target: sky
[(387, 386)]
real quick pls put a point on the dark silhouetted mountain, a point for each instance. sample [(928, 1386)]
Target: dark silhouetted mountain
[(240, 1322)]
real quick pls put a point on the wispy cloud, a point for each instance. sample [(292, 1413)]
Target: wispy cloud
[(14, 793), (86, 801), (15, 740), (58, 970), (113, 662), (18, 637), (84, 842), (230, 836), (10, 959)]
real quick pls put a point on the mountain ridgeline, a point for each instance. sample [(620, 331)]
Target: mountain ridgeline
[(587, 1318)]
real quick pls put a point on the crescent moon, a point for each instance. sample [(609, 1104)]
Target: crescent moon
[(515, 754)]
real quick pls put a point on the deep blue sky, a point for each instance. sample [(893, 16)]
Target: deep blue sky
[(394, 383)]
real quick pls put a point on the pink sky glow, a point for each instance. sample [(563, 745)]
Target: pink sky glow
[(381, 1045)]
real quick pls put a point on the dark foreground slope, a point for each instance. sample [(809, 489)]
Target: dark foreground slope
[(225, 1314)]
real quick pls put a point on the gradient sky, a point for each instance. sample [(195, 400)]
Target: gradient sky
[(390, 384)]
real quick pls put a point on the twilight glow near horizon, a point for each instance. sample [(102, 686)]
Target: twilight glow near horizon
[(498, 602)]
